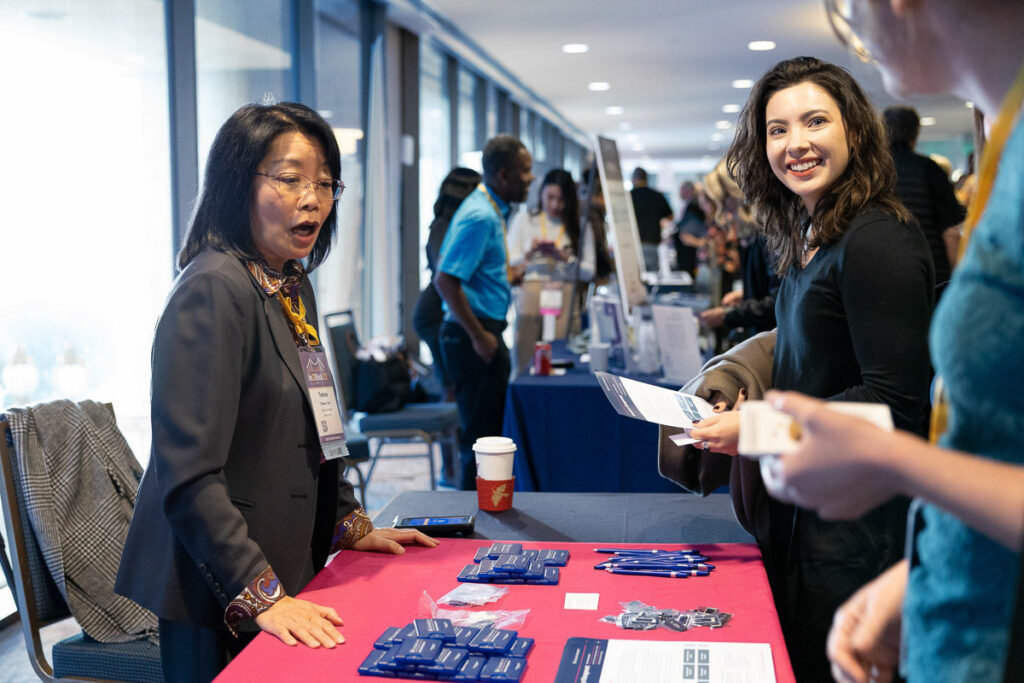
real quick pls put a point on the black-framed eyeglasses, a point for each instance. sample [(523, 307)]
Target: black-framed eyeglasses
[(298, 184), (840, 17)]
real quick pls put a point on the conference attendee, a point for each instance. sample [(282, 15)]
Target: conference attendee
[(595, 236), (428, 313), (690, 229), (852, 311), (923, 187), (473, 278), (945, 613), (650, 208), (239, 508), (551, 228)]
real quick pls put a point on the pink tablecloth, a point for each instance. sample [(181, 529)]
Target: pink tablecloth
[(372, 591)]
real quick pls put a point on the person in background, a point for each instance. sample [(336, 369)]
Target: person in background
[(650, 208), (428, 314), (552, 228), (944, 613), (923, 187), (596, 228), (238, 507), (853, 311), (690, 229), (473, 277)]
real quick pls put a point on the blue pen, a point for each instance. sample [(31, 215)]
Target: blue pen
[(643, 551), (656, 565), (659, 572)]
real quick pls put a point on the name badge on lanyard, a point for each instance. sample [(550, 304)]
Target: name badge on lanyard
[(320, 383)]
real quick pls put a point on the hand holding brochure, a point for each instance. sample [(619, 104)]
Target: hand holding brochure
[(653, 404), (767, 431)]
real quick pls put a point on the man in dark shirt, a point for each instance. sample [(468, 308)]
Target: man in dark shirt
[(923, 188), (650, 207), (690, 230)]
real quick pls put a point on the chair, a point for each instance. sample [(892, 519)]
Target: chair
[(40, 603), (426, 423)]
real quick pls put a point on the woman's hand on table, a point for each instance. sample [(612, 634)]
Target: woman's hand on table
[(843, 466), (864, 642), (296, 621), (388, 540), (720, 432)]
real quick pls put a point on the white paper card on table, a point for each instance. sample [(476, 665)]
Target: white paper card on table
[(653, 404), (647, 661), (767, 431), (677, 338), (584, 601)]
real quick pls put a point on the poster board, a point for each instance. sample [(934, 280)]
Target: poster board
[(628, 251)]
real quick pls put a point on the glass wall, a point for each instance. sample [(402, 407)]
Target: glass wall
[(338, 280), (435, 138), (243, 51), (469, 150), (87, 217)]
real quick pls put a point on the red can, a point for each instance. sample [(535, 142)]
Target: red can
[(542, 358)]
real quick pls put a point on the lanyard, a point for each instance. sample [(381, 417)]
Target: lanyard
[(989, 167), (504, 232), (303, 331), (544, 228)]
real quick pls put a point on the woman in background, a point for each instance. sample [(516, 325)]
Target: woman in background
[(551, 228)]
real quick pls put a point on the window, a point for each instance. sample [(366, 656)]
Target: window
[(435, 139), (470, 151), (89, 233)]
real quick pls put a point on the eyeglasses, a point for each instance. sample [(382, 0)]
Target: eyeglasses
[(298, 184), (840, 17)]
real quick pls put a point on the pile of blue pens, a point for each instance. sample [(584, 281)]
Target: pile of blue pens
[(673, 564)]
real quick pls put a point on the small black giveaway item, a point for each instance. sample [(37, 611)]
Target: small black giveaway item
[(452, 525)]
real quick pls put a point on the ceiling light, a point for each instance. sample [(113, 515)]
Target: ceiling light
[(928, 121), (632, 137), (723, 125), (969, 104), (743, 83), (597, 86), (625, 125), (730, 108), (760, 45), (717, 137), (638, 147), (614, 111), (575, 48)]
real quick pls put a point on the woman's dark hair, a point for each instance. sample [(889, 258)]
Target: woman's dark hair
[(221, 219), (570, 202), (869, 177), (455, 187)]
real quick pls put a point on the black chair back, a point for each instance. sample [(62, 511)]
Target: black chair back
[(341, 327)]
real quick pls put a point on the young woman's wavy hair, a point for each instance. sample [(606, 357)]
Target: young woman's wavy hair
[(869, 177), (570, 202), (222, 217)]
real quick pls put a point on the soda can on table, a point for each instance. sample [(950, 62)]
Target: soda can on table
[(542, 358)]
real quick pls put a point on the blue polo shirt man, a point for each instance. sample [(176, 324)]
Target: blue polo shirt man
[(473, 279)]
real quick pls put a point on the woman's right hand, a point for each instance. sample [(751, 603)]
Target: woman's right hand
[(294, 621)]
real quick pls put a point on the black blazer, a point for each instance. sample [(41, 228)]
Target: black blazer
[(234, 480)]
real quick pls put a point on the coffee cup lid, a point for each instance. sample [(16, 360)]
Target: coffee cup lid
[(495, 444)]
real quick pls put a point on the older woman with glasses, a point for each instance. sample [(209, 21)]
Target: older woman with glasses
[(947, 608), (242, 500)]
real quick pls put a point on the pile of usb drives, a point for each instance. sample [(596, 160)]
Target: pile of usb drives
[(433, 649), (509, 563), (638, 616), (675, 564)]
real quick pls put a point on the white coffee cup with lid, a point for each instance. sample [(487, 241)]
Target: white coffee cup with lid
[(494, 457)]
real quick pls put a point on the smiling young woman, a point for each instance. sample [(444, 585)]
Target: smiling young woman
[(853, 311)]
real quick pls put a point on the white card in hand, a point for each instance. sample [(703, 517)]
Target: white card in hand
[(767, 431)]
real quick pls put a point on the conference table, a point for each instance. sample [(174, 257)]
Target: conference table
[(569, 437), (373, 591)]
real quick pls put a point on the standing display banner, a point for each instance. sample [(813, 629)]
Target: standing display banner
[(628, 251)]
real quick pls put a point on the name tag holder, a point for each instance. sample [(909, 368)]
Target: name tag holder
[(322, 396)]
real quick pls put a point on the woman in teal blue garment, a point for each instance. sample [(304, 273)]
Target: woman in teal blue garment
[(944, 613)]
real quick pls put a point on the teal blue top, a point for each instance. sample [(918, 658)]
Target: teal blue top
[(961, 590), (473, 250)]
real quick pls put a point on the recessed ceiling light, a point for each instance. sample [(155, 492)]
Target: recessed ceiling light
[(575, 48), (638, 147), (928, 121), (599, 85), (723, 125), (760, 45), (743, 83), (730, 108), (625, 125), (614, 111), (969, 104)]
